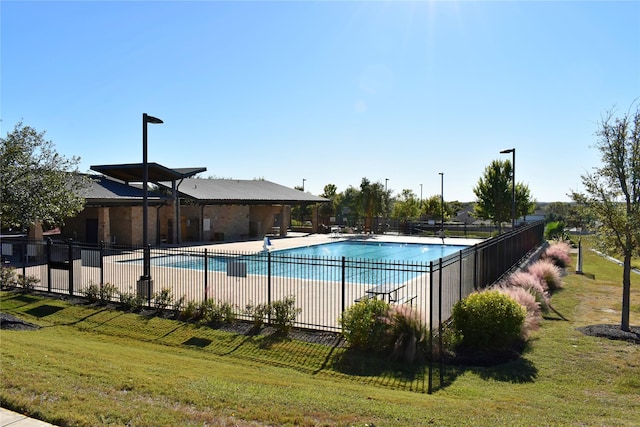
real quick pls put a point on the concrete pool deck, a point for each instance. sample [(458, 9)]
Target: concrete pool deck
[(296, 240)]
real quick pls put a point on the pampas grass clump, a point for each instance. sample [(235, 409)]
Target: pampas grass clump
[(528, 301), (548, 272), (558, 253), (407, 333), (532, 284)]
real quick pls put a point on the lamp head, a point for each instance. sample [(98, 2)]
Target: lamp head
[(510, 150), (151, 119)]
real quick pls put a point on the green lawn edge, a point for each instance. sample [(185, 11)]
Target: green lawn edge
[(90, 365)]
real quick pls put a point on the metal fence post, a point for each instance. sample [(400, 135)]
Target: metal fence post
[(147, 256), (24, 257), (269, 284), (101, 255), (206, 275), (430, 380), (70, 261), (49, 243), (440, 358), (343, 285)]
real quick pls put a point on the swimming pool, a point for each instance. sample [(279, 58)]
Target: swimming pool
[(378, 251), (365, 262)]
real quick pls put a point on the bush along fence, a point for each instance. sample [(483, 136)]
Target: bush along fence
[(316, 291)]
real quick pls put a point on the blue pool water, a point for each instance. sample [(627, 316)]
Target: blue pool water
[(368, 262), (379, 251)]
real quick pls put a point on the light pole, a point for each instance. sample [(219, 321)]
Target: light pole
[(513, 185), (146, 269), (420, 196), (303, 180), (442, 203)]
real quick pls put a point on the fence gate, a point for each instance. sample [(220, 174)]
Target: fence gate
[(64, 266)]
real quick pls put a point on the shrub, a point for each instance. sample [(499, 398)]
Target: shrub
[(162, 299), (131, 301), (532, 284), (284, 314), (191, 311), (107, 292), (91, 292), (548, 273), (178, 305), (104, 294), (8, 277), (27, 283), (558, 253), (488, 320), (215, 313), (364, 326), (257, 313), (528, 301), (406, 333)]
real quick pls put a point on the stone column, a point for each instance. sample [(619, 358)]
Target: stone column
[(104, 225)]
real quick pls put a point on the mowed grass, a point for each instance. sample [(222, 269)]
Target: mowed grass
[(91, 366)]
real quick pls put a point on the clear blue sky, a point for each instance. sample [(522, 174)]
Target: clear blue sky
[(326, 91)]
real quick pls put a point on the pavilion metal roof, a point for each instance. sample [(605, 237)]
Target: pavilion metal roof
[(134, 172), (104, 191), (238, 191)]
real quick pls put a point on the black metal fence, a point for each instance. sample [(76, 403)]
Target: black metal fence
[(322, 287)]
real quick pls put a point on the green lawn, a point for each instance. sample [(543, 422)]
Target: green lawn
[(91, 366)]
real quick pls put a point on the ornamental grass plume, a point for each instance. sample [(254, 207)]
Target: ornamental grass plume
[(548, 273), (558, 253), (407, 333), (528, 301), (532, 284)]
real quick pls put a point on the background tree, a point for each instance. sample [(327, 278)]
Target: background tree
[(495, 195), (349, 206), (557, 212), (524, 204), (37, 182), (328, 210), (431, 208), (373, 200), (612, 194), (406, 207)]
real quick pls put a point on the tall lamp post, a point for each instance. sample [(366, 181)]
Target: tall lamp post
[(146, 269), (513, 185), (441, 203)]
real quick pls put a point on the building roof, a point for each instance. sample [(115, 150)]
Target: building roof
[(134, 172), (103, 191), (246, 192)]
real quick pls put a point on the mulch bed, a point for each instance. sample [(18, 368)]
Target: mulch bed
[(612, 332)]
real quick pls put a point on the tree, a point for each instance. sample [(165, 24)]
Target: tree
[(407, 207), (37, 182), (348, 206), (432, 208), (524, 204), (612, 194), (328, 210), (494, 194), (373, 200)]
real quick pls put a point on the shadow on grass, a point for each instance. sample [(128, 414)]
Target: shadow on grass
[(379, 368), (558, 315), (44, 310), (197, 342)]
